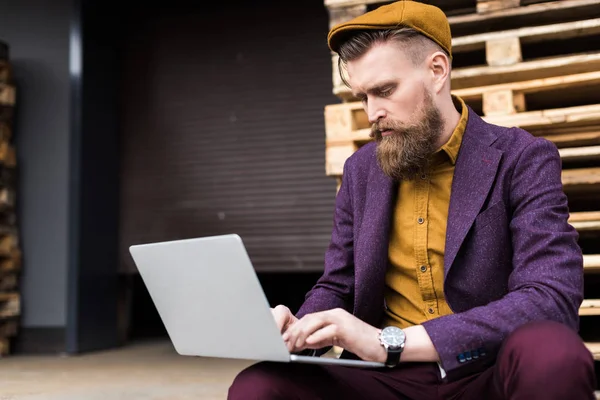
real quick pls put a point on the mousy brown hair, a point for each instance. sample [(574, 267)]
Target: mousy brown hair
[(415, 45)]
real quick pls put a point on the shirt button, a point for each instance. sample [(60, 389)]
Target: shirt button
[(423, 268), (420, 220), (423, 176), (430, 310)]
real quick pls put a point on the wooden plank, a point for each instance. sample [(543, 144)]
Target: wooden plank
[(558, 116), (504, 51), (4, 346), (573, 82), (573, 137), (10, 305), (589, 307), (7, 244), (7, 94), (580, 153), (594, 348), (527, 70), (5, 132), (5, 72), (8, 281), (527, 14), (581, 179), (529, 34), (503, 102), (486, 6), (8, 155), (8, 328), (591, 263), (338, 15), (585, 221)]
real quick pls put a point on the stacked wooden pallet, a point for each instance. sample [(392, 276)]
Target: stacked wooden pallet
[(527, 63), (10, 255)]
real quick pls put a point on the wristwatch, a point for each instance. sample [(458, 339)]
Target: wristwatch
[(392, 339)]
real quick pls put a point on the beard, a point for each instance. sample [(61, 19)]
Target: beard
[(404, 153)]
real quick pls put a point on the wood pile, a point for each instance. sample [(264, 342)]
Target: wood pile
[(10, 254), (527, 63)]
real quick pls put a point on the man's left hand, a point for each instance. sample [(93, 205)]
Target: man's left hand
[(335, 328)]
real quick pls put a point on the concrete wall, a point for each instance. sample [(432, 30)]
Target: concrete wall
[(38, 34)]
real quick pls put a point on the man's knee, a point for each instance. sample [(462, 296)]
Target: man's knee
[(546, 351), (260, 381), (547, 342)]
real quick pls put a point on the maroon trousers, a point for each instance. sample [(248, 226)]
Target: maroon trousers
[(542, 360)]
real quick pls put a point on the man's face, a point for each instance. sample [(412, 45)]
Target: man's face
[(406, 123)]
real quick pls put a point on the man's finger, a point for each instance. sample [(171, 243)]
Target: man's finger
[(327, 336), (306, 326), (281, 315)]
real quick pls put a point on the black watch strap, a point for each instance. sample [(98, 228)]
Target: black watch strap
[(393, 357)]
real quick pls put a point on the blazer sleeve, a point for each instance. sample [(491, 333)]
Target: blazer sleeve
[(335, 288), (546, 282)]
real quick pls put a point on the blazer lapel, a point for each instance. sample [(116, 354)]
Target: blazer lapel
[(372, 244), (474, 174)]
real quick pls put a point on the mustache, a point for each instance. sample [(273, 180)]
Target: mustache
[(379, 127)]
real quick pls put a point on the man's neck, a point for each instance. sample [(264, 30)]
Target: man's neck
[(451, 117)]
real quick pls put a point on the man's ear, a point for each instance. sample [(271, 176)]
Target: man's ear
[(439, 66)]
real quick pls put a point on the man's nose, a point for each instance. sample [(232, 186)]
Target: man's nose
[(375, 113)]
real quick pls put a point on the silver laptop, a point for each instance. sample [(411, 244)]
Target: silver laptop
[(211, 303)]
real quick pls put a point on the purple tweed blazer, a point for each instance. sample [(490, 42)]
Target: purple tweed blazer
[(511, 256)]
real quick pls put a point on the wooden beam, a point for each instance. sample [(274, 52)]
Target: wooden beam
[(4, 346), (7, 94), (486, 6), (585, 221), (10, 305), (529, 14), (590, 307), (574, 81), (338, 15), (580, 153), (552, 117), (594, 348), (563, 140), (504, 51), (566, 30), (527, 70), (581, 179), (5, 72), (591, 263), (503, 102)]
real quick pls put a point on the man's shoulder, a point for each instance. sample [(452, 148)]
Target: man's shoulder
[(514, 140), (363, 158)]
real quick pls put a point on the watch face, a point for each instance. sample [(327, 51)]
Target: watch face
[(392, 336)]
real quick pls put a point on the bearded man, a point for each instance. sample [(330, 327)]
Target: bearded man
[(451, 260)]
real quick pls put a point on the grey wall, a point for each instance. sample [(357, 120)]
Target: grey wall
[(38, 34)]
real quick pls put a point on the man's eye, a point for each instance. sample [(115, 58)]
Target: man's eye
[(385, 93)]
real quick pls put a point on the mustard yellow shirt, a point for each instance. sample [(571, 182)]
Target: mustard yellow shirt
[(414, 289)]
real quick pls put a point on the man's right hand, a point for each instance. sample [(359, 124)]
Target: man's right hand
[(283, 317)]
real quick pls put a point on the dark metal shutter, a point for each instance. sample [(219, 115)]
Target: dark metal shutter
[(223, 129)]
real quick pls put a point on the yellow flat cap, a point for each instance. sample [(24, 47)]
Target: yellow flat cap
[(425, 18)]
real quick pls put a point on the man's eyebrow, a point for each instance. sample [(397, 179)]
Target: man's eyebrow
[(378, 88)]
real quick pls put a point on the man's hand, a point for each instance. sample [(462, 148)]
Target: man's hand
[(335, 328), (283, 317)]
